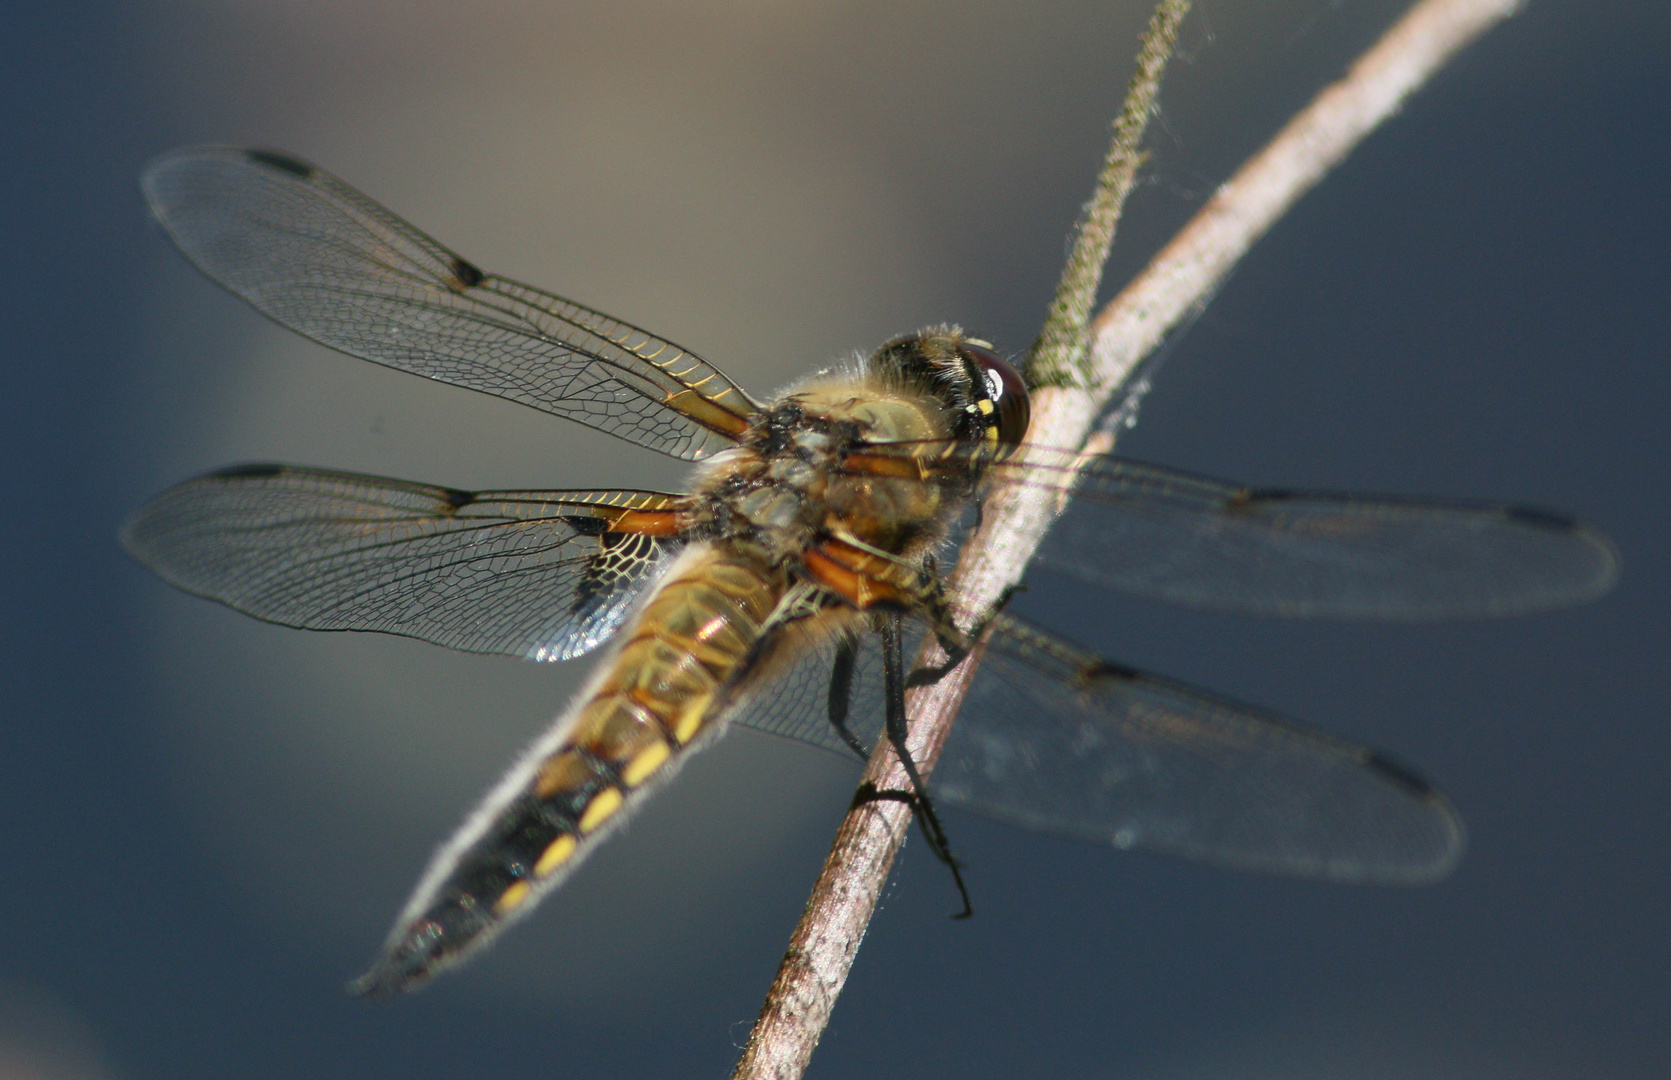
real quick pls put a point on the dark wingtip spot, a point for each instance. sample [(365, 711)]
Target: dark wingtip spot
[(254, 470), (1248, 500), (467, 273), (283, 162), (1398, 774), (457, 499), (1542, 519), (1106, 669)]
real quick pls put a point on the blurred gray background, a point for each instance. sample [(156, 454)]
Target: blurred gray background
[(206, 823)]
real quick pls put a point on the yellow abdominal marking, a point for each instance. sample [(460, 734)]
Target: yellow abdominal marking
[(691, 714), (511, 897), (648, 761), (601, 809), (556, 855)]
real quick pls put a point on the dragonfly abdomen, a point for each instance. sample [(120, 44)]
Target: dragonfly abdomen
[(664, 690)]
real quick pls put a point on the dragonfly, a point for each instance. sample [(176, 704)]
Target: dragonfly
[(784, 588)]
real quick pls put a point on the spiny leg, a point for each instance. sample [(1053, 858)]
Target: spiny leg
[(893, 667), (841, 692), (958, 646)]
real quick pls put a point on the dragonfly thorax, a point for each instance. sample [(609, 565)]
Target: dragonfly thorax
[(791, 484)]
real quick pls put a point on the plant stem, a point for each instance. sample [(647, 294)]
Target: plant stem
[(1081, 373), (1058, 355)]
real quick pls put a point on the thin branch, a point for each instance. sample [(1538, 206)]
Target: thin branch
[(1058, 356), (1180, 278)]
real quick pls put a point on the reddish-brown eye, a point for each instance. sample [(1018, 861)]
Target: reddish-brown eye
[(1001, 385)]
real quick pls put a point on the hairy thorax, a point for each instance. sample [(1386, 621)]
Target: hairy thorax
[(787, 487)]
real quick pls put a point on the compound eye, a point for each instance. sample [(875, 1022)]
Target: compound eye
[(1004, 390)]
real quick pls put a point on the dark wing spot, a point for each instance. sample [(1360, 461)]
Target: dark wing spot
[(1104, 669), (1541, 519), (613, 569), (232, 472), (456, 499), (282, 162), (1398, 774), (587, 525), (467, 274)]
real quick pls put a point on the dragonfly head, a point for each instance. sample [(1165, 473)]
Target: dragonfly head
[(985, 397)]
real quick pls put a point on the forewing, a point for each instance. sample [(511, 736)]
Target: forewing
[(1054, 739), (544, 575), (317, 256), (1183, 539)]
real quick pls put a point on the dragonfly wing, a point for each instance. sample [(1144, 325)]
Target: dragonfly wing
[(545, 575), (796, 704), (1052, 738), (1183, 539), (317, 256)]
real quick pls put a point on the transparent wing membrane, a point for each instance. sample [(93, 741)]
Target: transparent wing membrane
[(1052, 738), (1055, 739), (1164, 534), (535, 574), (1168, 535), (796, 704), (317, 256)]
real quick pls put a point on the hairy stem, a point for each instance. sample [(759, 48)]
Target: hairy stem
[(1058, 357)]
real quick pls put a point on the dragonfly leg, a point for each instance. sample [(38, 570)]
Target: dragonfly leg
[(957, 644), (841, 689), (893, 667)]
